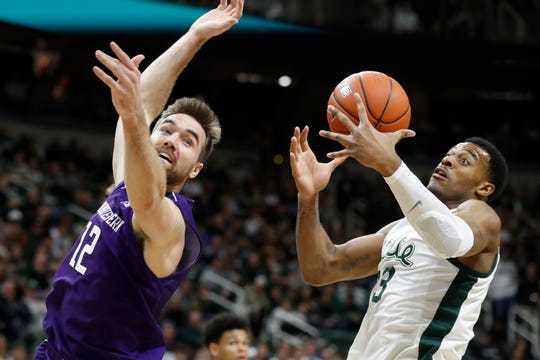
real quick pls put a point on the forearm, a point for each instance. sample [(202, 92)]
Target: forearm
[(312, 242), (446, 233), (159, 78), (143, 173)]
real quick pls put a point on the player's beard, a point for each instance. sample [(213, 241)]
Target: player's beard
[(175, 176)]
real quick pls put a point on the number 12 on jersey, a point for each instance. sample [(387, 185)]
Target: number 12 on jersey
[(89, 240)]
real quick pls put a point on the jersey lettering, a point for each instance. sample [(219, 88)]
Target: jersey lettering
[(402, 255)]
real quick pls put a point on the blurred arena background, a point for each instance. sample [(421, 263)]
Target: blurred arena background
[(469, 67)]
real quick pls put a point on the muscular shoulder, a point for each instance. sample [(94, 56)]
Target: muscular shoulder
[(486, 227), (479, 213)]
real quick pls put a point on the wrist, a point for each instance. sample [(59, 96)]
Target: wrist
[(197, 37), (396, 173), (307, 200), (389, 168)]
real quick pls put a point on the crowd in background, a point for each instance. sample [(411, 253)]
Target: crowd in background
[(246, 211), (246, 214)]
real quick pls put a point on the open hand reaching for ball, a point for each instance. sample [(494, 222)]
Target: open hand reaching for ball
[(366, 144), (310, 175)]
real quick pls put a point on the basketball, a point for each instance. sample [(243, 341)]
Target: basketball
[(386, 102)]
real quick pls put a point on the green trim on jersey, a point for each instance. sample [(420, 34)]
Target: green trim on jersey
[(462, 267), (448, 310)]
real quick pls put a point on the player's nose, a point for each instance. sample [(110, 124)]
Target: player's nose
[(243, 349), (448, 161), (171, 140)]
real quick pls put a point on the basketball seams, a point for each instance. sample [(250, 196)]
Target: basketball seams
[(391, 88), (400, 116), (366, 102)]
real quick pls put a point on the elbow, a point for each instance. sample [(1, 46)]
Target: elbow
[(314, 277), (313, 281), (448, 237)]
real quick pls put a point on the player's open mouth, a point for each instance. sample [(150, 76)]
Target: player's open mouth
[(440, 173), (165, 157)]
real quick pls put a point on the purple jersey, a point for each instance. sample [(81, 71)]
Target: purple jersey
[(105, 301)]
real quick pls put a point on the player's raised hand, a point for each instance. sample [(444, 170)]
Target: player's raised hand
[(124, 80), (219, 19), (366, 144), (310, 175)]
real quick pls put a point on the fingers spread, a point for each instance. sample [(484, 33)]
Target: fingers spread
[(303, 139), (109, 62), (344, 119), (137, 60), (109, 81), (122, 56), (341, 138), (124, 68), (338, 161), (294, 141), (405, 133)]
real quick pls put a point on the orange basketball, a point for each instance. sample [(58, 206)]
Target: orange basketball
[(386, 102)]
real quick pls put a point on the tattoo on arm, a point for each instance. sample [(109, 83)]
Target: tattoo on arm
[(348, 266)]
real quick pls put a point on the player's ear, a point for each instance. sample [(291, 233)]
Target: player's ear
[(196, 170), (485, 189), (213, 348)]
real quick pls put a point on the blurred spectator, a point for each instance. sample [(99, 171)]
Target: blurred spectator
[(260, 352), (190, 333), (39, 274), (19, 352), (34, 298), (503, 290), (4, 353), (405, 19), (46, 60), (15, 314), (529, 287), (170, 335), (256, 303)]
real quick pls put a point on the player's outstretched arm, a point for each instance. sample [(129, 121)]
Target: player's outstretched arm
[(160, 77), (321, 262)]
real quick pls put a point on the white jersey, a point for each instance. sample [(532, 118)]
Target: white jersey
[(422, 306)]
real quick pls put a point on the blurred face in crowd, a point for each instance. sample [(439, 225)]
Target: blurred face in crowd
[(233, 345)]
